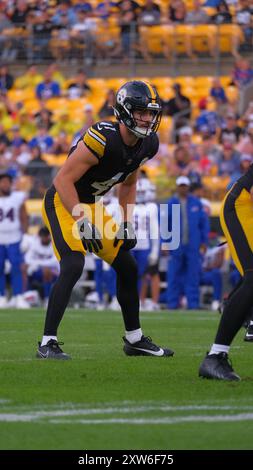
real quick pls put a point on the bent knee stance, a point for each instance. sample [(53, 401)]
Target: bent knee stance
[(71, 266), (126, 267)]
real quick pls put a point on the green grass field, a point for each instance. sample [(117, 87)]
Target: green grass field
[(103, 399)]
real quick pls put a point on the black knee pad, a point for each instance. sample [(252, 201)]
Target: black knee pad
[(72, 264), (125, 266)]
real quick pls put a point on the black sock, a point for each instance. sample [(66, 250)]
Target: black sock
[(71, 268), (238, 306), (127, 288)]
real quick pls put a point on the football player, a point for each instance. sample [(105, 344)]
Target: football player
[(108, 153), (13, 223), (236, 222)]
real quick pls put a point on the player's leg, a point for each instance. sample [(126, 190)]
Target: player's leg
[(136, 344), (236, 220), (16, 259), (127, 286), (70, 253)]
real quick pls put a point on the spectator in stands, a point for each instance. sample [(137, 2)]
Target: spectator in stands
[(246, 142), (42, 266), (60, 41), (183, 268), (245, 162), (222, 15), (40, 172), (106, 110), (247, 117), (63, 124), (197, 15), (42, 139), (6, 79), (243, 18), (217, 92), (64, 9), (209, 155), (229, 160), (3, 136), (150, 14), (78, 86), (48, 88), (83, 36), (30, 79), (105, 9), (184, 139), (177, 11), (231, 131), (5, 154), (242, 73), (89, 119), (179, 107), (56, 74), (128, 23), (44, 116), (6, 41), (61, 144), (17, 12), (182, 163), (16, 138), (23, 156), (41, 34), (210, 120), (5, 118)]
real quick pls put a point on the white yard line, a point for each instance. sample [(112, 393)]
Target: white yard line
[(39, 415), (176, 420)]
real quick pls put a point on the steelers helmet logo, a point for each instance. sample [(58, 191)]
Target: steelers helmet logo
[(121, 96)]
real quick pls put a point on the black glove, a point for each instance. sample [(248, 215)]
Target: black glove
[(90, 235), (126, 233)]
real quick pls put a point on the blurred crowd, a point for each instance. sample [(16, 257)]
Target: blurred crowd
[(201, 135), (72, 29)]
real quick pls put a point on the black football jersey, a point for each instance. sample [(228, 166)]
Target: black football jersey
[(116, 159)]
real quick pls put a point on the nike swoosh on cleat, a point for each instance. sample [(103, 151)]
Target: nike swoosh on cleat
[(153, 353), (44, 355)]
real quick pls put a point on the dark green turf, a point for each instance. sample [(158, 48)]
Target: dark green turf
[(103, 384)]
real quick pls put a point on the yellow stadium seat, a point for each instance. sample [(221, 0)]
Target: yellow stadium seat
[(115, 83), (21, 95), (230, 36), (185, 81)]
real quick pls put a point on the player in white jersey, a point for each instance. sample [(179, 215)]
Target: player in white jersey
[(146, 251), (42, 266), (13, 223)]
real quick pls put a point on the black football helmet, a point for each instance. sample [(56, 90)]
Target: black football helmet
[(133, 96)]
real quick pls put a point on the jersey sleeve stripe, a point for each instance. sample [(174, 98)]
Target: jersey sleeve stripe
[(93, 145), (95, 136), (101, 136)]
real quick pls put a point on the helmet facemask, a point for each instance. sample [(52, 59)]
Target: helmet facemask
[(127, 105)]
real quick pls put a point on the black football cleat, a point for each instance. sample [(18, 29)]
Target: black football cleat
[(217, 366), (249, 333), (51, 350), (145, 347)]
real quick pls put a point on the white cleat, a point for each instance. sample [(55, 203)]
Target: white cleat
[(3, 302), (21, 302), (114, 304), (215, 305)]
